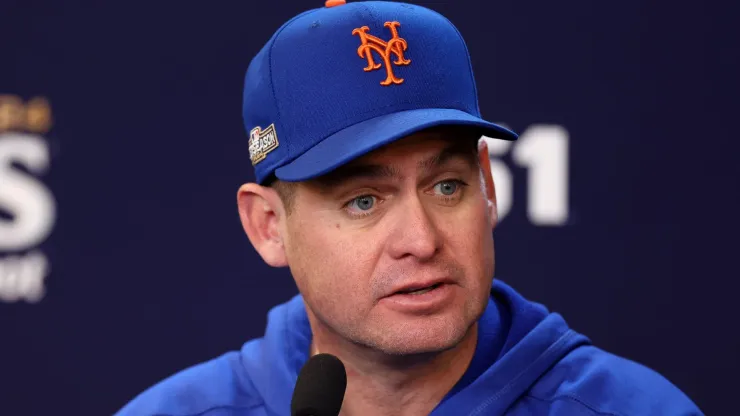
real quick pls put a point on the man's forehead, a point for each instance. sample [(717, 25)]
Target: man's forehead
[(429, 147)]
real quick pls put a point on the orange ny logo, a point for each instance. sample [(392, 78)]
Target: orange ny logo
[(395, 46)]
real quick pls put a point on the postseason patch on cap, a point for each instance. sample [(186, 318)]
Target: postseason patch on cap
[(262, 142)]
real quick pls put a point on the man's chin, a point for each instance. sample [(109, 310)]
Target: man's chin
[(421, 340), (418, 350)]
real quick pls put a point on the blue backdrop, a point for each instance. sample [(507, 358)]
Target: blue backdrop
[(122, 259)]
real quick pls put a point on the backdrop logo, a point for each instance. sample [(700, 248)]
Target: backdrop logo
[(395, 46), (541, 149), (27, 206)]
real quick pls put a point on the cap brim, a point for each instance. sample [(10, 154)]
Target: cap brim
[(362, 138)]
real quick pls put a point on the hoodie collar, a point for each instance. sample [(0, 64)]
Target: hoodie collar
[(536, 339), (518, 341)]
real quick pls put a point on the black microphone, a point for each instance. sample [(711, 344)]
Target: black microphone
[(320, 388)]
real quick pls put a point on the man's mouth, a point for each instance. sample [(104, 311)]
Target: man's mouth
[(421, 297), (419, 291)]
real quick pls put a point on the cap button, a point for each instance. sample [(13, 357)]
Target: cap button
[(334, 3)]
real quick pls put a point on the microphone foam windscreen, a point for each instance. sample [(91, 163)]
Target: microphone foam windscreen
[(320, 388)]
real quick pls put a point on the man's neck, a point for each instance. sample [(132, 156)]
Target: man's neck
[(399, 386)]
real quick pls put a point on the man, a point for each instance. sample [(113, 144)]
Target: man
[(373, 187)]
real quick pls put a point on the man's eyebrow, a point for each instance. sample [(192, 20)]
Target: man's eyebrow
[(356, 171)]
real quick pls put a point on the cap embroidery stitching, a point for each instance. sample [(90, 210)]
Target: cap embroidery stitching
[(396, 45)]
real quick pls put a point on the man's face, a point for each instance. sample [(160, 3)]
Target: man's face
[(409, 215)]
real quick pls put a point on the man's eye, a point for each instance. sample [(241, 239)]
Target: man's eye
[(447, 188), (363, 203)]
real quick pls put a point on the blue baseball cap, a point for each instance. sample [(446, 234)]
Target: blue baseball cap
[(337, 82)]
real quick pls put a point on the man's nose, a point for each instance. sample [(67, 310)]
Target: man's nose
[(414, 232)]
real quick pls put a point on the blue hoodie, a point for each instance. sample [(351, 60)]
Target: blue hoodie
[(527, 362)]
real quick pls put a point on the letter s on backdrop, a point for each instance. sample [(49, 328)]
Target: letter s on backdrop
[(28, 201)]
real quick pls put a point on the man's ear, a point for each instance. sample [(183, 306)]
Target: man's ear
[(260, 211), (490, 187)]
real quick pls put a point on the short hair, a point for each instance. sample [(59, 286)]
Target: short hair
[(286, 191)]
